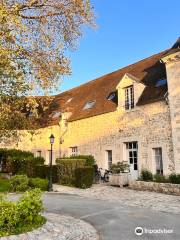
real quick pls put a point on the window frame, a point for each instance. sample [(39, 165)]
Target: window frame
[(129, 97), (158, 159), (74, 151)]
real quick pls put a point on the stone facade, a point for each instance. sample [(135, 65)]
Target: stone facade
[(173, 76), (153, 125)]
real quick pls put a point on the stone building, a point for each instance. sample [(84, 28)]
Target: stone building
[(132, 114)]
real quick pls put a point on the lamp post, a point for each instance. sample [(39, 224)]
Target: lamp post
[(50, 187)]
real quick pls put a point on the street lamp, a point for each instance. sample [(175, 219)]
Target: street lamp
[(50, 187)]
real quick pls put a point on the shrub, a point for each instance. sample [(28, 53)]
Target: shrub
[(29, 206), (146, 175), (84, 177), (19, 183), (21, 216), (66, 170), (90, 160), (19, 162), (174, 178), (119, 167), (38, 183), (42, 171), (159, 178)]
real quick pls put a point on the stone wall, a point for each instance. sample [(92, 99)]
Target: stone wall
[(149, 125), (173, 77), (167, 188)]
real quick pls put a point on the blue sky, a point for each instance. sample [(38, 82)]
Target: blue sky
[(128, 31)]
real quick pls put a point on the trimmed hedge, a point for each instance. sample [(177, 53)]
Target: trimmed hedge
[(84, 177), (66, 170), (38, 183), (19, 162), (90, 160), (42, 171)]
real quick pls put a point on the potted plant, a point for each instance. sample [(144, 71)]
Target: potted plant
[(120, 174)]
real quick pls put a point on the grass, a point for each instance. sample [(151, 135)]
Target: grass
[(4, 185)]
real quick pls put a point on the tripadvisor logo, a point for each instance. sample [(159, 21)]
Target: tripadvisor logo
[(139, 231)]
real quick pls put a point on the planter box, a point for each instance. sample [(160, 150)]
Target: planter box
[(167, 188), (121, 179)]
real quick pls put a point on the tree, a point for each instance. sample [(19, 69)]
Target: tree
[(34, 38)]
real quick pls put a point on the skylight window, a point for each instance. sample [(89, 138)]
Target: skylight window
[(56, 115), (161, 82), (111, 96), (89, 105), (69, 100)]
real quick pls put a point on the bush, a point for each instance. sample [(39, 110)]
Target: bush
[(22, 216), (159, 178), (19, 162), (84, 177), (174, 178), (42, 171), (90, 160), (119, 167), (66, 170), (19, 183), (38, 183), (146, 175)]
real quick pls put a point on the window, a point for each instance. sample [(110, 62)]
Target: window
[(89, 105), (161, 82), (39, 153), (74, 151), (129, 97), (111, 96), (109, 158), (132, 148), (69, 100), (158, 160)]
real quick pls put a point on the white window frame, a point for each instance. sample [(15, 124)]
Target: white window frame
[(109, 162), (129, 97), (134, 148), (74, 151), (158, 159)]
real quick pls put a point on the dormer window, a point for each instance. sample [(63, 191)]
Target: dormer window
[(129, 97), (89, 105)]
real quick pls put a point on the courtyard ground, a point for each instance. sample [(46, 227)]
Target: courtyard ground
[(127, 197), (116, 219)]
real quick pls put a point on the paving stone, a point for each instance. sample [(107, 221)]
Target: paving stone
[(127, 197)]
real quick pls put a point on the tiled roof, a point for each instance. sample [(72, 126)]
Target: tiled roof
[(148, 71)]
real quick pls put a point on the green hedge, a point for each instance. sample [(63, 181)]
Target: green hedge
[(90, 160), (174, 178), (84, 177), (19, 162), (66, 170), (42, 171), (38, 183)]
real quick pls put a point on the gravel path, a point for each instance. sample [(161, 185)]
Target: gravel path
[(127, 197), (59, 227)]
